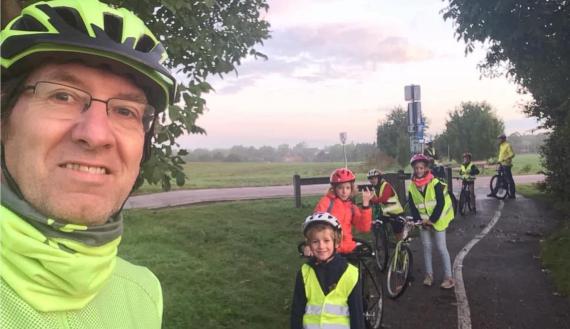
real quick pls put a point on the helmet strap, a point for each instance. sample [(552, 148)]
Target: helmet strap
[(9, 180)]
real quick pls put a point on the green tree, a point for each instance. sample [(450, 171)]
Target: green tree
[(392, 137), (471, 127), (203, 38), (529, 41)]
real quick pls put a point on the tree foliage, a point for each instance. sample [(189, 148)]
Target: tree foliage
[(471, 127), (284, 153), (392, 136), (202, 38), (529, 40)]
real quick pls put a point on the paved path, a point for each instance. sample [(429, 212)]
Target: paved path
[(504, 283), (185, 197)]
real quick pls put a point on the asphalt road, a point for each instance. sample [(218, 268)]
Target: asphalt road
[(186, 197), (504, 282)]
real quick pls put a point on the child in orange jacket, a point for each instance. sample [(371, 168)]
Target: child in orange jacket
[(338, 202)]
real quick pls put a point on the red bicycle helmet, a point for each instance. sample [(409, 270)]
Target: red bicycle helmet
[(419, 157), (342, 175)]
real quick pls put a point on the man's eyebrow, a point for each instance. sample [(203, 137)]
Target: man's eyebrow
[(134, 96), (65, 77)]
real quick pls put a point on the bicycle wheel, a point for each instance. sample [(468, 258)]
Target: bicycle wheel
[(398, 277), (499, 187), (373, 299), (380, 246), (462, 202)]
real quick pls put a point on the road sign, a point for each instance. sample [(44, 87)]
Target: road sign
[(412, 93), (342, 136)]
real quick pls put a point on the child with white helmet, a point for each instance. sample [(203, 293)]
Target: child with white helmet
[(327, 288)]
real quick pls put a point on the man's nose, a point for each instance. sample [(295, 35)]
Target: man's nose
[(94, 129)]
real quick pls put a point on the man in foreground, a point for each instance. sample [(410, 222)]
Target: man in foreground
[(82, 84)]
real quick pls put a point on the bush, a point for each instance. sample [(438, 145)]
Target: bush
[(525, 169), (556, 155)]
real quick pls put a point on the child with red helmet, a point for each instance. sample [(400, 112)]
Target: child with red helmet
[(338, 202)]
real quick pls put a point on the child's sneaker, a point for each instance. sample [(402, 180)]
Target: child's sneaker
[(447, 284), (428, 281)]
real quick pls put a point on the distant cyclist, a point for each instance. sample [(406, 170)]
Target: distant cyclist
[(505, 159), (468, 171), (431, 153), (433, 157), (385, 201)]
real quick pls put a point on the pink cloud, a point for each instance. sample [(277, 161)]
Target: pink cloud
[(347, 43)]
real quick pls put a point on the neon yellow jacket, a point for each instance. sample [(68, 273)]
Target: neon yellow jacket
[(33, 276), (506, 154)]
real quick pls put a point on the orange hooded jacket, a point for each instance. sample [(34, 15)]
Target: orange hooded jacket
[(348, 214)]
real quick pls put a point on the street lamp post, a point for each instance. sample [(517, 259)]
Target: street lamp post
[(342, 136)]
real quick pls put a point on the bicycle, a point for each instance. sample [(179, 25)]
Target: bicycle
[(400, 270), (465, 201), (380, 234), (372, 292), (383, 238), (499, 185)]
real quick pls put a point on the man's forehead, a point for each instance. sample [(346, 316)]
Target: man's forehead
[(83, 76)]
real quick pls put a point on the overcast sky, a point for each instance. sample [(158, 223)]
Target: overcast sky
[(341, 65)]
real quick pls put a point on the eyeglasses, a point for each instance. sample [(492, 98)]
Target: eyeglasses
[(65, 102)]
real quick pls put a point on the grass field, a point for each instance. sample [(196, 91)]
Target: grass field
[(222, 265), (555, 249), (523, 164), (240, 174)]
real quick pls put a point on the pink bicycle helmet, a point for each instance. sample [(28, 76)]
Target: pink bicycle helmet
[(419, 157)]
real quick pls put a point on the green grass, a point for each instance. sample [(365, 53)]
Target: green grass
[(221, 265), (241, 174), (523, 164), (555, 249)]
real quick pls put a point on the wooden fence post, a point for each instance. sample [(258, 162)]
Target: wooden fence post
[(297, 190)]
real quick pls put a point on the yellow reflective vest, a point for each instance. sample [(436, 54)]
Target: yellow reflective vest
[(506, 154), (393, 206), (465, 171), (330, 311), (425, 203)]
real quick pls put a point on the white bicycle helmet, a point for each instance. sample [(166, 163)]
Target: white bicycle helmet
[(374, 173), (323, 218)]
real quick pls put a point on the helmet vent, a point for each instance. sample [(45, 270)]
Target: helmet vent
[(28, 23), (145, 44), (72, 18), (113, 27)]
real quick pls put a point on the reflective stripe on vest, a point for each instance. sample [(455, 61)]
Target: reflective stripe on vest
[(465, 172), (393, 206), (326, 326), (330, 311), (426, 205)]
